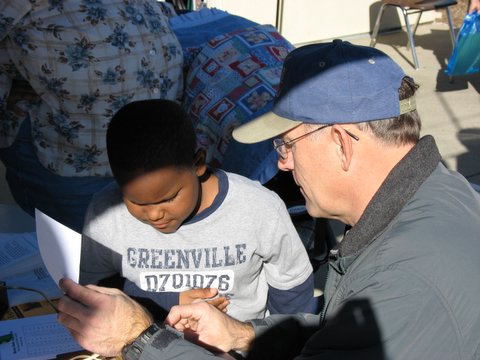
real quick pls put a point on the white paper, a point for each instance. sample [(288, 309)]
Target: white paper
[(35, 338), (59, 246)]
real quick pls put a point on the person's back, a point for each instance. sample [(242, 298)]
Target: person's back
[(170, 224), (83, 61)]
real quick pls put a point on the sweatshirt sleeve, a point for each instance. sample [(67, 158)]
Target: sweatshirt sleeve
[(298, 299)]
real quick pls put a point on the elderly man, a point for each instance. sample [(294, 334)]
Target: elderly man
[(401, 282)]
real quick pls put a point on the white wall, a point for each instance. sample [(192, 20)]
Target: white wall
[(260, 11), (307, 21)]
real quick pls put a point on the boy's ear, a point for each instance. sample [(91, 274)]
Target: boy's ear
[(200, 157), (201, 167)]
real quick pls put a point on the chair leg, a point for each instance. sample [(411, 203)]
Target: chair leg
[(416, 25), (450, 24), (417, 22), (410, 38), (376, 28)]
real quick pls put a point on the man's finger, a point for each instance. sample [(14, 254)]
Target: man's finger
[(179, 312), (86, 295)]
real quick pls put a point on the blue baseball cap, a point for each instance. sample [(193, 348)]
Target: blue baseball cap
[(331, 83)]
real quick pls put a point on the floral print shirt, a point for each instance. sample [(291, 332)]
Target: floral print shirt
[(83, 60)]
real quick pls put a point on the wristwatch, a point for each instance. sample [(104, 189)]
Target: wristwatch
[(134, 350)]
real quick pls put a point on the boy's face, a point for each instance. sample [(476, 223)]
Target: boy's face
[(163, 198)]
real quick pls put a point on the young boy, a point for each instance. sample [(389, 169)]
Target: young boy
[(170, 224)]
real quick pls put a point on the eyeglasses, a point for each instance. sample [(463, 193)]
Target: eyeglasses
[(284, 147)]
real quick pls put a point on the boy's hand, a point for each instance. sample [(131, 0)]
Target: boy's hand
[(207, 294)]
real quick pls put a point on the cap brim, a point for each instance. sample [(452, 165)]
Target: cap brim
[(262, 128)]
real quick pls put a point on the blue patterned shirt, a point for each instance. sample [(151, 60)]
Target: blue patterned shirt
[(84, 59)]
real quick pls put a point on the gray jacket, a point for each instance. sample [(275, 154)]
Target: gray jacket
[(402, 284)]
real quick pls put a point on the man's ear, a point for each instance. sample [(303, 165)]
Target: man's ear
[(344, 146)]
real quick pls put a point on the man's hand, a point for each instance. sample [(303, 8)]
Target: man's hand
[(205, 325), (102, 320), (206, 294)]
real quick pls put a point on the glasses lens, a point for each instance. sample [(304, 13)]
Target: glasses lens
[(279, 146)]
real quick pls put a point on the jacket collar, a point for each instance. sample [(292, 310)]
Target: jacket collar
[(399, 186)]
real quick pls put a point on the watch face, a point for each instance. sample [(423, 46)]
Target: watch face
[(134, 350)]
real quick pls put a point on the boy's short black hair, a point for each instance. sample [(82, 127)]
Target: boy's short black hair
[(148, 135)]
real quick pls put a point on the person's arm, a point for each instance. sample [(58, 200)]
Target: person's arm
[(474, 5), (14, 94), (102, 320), (204, 324), (296, 300), (275, 337), (97, 262), (288, 270), (108, 322), (11, 12), (159, 303)]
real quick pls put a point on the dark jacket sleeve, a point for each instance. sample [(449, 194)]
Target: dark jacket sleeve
[(169, 344), (351, 334)]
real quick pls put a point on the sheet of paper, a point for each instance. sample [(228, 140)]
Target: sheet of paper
[(35, 338), (59, 246)]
